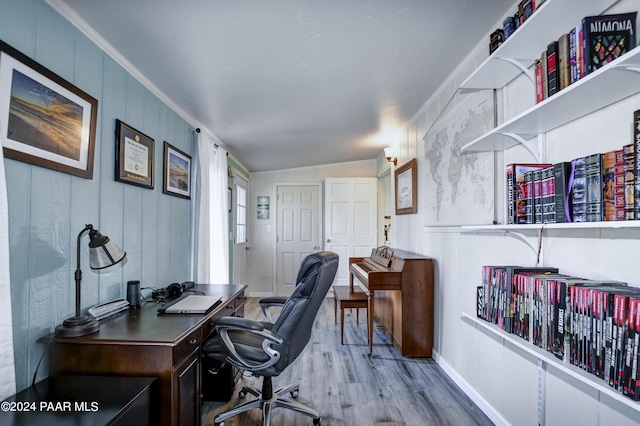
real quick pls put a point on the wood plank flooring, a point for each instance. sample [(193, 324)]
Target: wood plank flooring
[(347, 387)]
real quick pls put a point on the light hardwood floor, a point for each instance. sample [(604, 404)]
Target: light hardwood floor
[(347, 387)]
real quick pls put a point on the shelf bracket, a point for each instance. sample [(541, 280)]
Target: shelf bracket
[(520, 236), (535, 152), (521, 67), (631, 68)]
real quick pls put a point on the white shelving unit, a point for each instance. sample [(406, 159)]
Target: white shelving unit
[(518, 52), (619, 79), (548, 358), (628, 224)]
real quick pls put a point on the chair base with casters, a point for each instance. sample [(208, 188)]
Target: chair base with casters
[(349, 298), (268, 399)]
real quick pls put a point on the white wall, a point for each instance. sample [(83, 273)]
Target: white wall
[(500, 378), (262, 233)]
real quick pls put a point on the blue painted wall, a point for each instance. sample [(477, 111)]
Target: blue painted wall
[(47, 209)]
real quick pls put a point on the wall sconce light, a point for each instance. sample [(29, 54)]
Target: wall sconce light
[(388, 152), (102, 254)]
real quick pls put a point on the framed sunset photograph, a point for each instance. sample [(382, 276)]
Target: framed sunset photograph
[(177, 172), (45, 120)]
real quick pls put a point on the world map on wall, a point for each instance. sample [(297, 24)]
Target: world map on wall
[(460, 186)]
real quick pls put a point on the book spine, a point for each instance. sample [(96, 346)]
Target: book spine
[(636, 170), (608, 190), (629, 181), (579, 51), (511, 182), (619, 185), (561, 192), (537, 196), (578, 190), (545, 74), (552, 68), (635, 374), (539, 86), (564, 56), (628, 352), (548, 195), (573, 56), (526, 216), (594, 173)]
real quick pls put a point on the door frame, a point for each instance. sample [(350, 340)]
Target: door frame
[(274, 259)]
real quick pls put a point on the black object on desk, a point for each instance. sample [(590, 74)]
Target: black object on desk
[(83, 400)]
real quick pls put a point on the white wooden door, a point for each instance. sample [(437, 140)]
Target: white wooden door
[(298, 232), (350, 220), (240, 246)]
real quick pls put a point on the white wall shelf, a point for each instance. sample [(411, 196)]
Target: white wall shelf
[(621, 78), (518, 52), (548, 358), (622, 224)]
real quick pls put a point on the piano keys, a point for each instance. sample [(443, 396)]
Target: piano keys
[(400, 290)]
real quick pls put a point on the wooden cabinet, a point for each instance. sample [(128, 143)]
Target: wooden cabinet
[(143, 343)]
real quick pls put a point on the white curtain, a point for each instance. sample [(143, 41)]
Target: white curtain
[(212, 217), (7, 369)]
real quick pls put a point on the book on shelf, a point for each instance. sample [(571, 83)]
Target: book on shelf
[(528, 197), (606, 38), (564, 65), (548, 195), (537, 196), (517, 191), (636, 148), (594, 174), (575, 53), (540, 94), (619, 185), (552, 68), (562, 192), (629, 181), (608, 183), (578, 189)]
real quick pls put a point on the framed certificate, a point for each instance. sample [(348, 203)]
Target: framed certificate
[(134, 156)]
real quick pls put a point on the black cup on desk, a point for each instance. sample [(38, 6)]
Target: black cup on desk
[(133, 294)]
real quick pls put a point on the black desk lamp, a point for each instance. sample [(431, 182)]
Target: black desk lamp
[(102, 254)]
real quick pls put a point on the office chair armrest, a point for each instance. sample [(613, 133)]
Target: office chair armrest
[(225, 325), (269, 302), (239, 322)]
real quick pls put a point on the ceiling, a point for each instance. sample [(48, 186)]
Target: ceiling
[(291, 83)]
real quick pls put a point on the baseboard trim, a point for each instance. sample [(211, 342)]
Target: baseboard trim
[(482, 403)]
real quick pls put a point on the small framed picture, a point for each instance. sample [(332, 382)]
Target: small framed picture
[(46, 121), (263, 207), (134, 156), (407, 188), (176, 177)]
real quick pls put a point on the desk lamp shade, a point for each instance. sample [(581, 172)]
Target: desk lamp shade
[(102, 254)]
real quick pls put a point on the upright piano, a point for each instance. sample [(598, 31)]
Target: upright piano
[(400, 288)]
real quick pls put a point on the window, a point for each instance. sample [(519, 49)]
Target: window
[(241, 214)]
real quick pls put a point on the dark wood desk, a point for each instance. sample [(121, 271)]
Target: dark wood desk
[(83, 400), (143, 343)]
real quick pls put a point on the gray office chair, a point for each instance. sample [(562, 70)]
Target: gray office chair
[(267, 349)]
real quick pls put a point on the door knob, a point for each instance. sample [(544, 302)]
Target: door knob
[(316, 247), (328, 240)]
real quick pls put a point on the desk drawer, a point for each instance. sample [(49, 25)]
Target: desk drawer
[(187, 345)]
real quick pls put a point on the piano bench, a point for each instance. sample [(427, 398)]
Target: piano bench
[(347, 299)]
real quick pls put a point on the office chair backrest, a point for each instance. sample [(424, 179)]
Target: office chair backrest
[(295, 322)]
